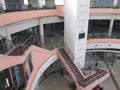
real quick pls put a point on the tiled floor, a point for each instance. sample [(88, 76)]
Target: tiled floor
[(58, 82), (116, 72), (113, 82), (53, 39), (54, 82), (116, 69)]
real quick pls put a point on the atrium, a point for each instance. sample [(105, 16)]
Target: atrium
[(59, 44)]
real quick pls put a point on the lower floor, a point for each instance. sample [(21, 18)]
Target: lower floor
[(60, 81)]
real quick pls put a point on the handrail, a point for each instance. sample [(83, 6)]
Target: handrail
[(26, 40), (84, 81), (95, 77), (13, 7), (16, 44)]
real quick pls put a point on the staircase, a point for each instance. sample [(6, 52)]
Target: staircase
[(79, 77), (18, 50)]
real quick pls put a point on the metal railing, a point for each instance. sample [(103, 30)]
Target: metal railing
[(97, 35), (31, 40), (15, 7), (115, 35), (104, 4)]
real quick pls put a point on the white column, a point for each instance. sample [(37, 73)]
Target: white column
[(2, 3), (9, 42), (111, 27), (115, 2), (76, 28), (8, 39), (42, 35), (41, 3)]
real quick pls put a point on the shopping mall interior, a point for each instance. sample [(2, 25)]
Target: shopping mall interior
[(59, 45)]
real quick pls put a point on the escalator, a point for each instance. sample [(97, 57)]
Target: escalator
[(26, 39)]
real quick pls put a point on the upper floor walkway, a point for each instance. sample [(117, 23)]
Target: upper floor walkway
[(9, 18)]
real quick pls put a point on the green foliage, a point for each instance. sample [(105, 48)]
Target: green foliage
[(115, 6), (1, 9)]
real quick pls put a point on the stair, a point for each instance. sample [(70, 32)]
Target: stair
[(81, 80)]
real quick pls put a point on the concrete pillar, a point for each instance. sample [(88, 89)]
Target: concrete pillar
[(110, 27), (76, 28), (115, 3), (42, 35), (8, 40), (92, 3), (40, 3), (2, 4)]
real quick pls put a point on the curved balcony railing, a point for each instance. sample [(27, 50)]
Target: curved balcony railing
[(97, 35), (15, 7), (115, 35), (103, 35), (105, 4)]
